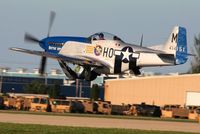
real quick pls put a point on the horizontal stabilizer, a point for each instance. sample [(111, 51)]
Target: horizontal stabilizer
[(167, 58)]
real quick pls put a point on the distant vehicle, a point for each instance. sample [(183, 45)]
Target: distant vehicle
[(198, 110), (104, 107), (131, 111), (1, 102), (63, 106), (120, 109), (77, 104), (175, 111), (88, 106), (148, 110), (78, 107), (104, 53), (40, 104), (13, 103)]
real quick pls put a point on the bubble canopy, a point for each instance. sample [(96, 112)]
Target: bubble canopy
[(104, 36)]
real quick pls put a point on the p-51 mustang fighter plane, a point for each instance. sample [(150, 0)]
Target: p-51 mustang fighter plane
[(104, 53)]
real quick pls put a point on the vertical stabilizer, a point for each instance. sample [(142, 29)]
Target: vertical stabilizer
[(177, 45)]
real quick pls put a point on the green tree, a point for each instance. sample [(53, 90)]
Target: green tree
[(36, 87), (195, 64), (54, 91), (94, 92)]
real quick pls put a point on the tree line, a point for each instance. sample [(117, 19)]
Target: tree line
[(38, 87), (195, 64)]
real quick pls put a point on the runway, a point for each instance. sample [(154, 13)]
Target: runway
[(99, 122)]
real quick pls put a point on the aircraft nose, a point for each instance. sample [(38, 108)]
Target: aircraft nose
[(43, 43)]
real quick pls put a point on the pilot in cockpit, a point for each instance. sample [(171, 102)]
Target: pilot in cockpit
[(116, 38), (101, 36)]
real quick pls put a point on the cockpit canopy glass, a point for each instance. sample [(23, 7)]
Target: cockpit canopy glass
[(104, 36)]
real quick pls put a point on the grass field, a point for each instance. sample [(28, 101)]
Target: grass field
[(10, 128)]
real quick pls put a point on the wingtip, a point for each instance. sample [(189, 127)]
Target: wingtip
[(13, 48)]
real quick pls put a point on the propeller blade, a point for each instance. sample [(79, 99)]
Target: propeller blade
[(141, 41), (30, 38), (43, 66), (51, 20)]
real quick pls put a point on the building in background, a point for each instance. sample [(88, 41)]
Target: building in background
[(157, 90), (16, 81)]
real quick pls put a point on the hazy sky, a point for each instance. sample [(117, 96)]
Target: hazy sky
[(128, 19)]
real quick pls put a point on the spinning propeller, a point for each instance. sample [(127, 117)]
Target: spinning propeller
[(30, 38)]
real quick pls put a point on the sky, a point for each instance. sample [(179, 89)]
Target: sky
[(128, 19)]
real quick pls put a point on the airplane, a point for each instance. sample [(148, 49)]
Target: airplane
[(105, 53)]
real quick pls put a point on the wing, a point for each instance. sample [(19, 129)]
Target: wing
[(80, 60)]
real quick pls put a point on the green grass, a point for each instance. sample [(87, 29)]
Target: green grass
[(11, 128), (99, 116)]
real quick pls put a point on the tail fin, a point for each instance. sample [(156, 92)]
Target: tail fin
[(177, 45)]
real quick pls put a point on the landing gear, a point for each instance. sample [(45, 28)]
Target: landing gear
[(86, 74), (67, 70), (89, 74)]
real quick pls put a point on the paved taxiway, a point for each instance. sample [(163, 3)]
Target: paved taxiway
[(99, 122)]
